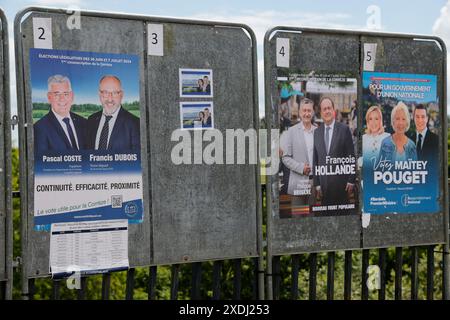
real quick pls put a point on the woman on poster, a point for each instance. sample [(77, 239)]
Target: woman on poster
[(398, 147), (374, 134)]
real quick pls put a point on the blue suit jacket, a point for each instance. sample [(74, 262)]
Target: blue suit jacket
[(50, 136), (125, 135)]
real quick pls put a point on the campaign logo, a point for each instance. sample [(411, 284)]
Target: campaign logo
[(405, 200), (131, 209)]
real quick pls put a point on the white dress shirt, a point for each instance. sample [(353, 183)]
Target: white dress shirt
[(112, 121), (63, 125)]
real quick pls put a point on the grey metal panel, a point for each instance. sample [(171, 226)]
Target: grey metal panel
[(3, 107), (405, 55), (97, 34), (202, 212), (331, 53)]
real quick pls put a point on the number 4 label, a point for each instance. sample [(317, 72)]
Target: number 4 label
[(42, 33), (155, 37), (283, 52)]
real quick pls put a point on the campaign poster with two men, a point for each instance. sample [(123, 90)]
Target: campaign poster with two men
[(318, 167), (87, 144)]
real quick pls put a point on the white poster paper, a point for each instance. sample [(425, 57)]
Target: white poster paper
[(89, 247)]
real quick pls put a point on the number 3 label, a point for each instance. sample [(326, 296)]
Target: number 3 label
[(155, 40), (283, 52), (370, 53), (42, 33)]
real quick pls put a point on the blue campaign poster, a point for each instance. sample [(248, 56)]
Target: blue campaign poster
[(86, 129), (400, 143)]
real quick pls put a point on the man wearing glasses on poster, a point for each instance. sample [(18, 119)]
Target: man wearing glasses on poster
[(60, 129), (113, 128)]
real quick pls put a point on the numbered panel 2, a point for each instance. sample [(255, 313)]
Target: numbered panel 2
[(83, 141), (312, 84)]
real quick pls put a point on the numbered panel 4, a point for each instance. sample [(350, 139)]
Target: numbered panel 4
[(83, 142)]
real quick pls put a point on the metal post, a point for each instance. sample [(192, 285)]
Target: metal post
[(446, 261), (106, 285), (56, 290), (217, 270), (196, 280), (398, 272), (364, 275), (276, 269), (312, 276), (153, 271), (174, 282), (237, 280), (414, 273), (430, 272), (295, 269), (23, 172), (255, 287), (348, 275), (330, 275), (382, 265), (130, 284), (30, 286), (81, 293), (9, 272)]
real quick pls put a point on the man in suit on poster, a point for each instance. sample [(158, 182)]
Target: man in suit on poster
[(114, 128), (427, 142), (332, 141), (298, 152), (60, 129)]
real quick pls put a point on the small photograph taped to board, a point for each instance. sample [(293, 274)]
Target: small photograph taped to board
[(317, 115), (196, 115), (196, 83)]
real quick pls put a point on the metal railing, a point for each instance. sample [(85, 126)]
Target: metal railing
[(294, 277)]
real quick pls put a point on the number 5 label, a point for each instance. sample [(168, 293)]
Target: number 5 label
[(42, 33), (370, 54), (283, 52), (155, 40)]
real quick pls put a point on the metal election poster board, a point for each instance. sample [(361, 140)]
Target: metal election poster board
[(185, 80), (379, 92), (75, 171), (6, 224)]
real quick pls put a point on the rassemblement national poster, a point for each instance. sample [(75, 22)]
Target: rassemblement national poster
[(85, 170), (400, 156)]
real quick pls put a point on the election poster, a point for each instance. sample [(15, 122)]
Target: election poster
[(86, 128), (317, 114), (400, 143)]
